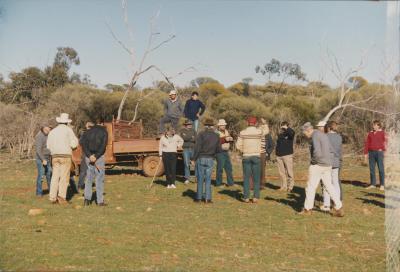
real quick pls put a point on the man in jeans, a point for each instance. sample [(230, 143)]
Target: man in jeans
[(83, 166), (60, 142), (375, 146), (206, 147), (284, 156), (94, 146), (172, 112), (42, 159), (194, 108), (189, 136), (249, 143), (223, 158), (320, 169)]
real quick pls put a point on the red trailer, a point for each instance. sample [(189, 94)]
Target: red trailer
[(127, 146)]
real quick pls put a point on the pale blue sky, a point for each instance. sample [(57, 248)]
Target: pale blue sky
[(225, 39)]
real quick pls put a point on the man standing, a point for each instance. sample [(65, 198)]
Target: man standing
[(249, 143), (267, 147), (94, 146), (375, 146), (83, 166), (223, 158), (172, 112), (206, 147), (284, 156), (194, 108), (60, 142), (43, 163), (336, 157), (320, 169), (189, 136)]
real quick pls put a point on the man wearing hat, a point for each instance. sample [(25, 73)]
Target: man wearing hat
[(205, 149), (189, 136), (172, 112), (60, 141), (249, 143), (320, 169), (194, 108), (223, 159)]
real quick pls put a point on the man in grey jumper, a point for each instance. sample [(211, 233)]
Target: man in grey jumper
[(173, 111), (43, 163), (320, 169)]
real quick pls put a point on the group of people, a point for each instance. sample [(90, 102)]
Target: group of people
[(54, 159), (201, 148)]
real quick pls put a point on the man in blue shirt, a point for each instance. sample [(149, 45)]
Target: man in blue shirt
[(194, 108)]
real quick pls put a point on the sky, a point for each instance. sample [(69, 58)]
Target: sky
[(221, 39)]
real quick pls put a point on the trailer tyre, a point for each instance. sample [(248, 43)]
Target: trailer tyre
[(150, 164)]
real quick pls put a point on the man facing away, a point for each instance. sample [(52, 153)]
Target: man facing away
[(374, 148), (284, 156), (205, 149), (83, 166), (320, 169), (194, 108), (267, 147), (172, 112), (43, 163), (223, 158), (249, 143), (60, 142), (189, 137), (94, 147)]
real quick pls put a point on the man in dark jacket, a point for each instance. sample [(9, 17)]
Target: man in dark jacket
[(205, 149), (172, 112), (194, 108), (94, 146), (43, 162), (83, 166), (189, 136), (284, 156)]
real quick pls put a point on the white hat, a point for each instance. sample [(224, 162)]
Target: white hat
[(221, 122), (172, 92), (64, 118), (321, 124)]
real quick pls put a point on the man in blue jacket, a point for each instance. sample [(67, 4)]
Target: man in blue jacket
[(194, 108)]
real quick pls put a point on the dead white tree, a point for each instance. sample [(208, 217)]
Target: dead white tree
[(141, 68)]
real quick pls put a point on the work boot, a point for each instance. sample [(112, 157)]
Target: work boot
[(62, 201), (305, 212), (337, 213)]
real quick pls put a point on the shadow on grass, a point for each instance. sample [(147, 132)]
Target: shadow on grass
[(372, 202), (123, 171), (160, 182), (236, 194), (356, 183), (294, 199), (189, 193)]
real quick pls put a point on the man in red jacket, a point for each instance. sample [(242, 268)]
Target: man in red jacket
[(374, 147)]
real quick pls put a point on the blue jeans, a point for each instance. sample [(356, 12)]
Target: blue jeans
[(251, 168), (42, 170), (196, 124), (187, 154), (376, 157), (95, 171), (204, 168), (224, 162)]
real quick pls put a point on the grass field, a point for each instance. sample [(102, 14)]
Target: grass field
[(163, 230)]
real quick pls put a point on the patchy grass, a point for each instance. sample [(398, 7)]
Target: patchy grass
[(163, 230)]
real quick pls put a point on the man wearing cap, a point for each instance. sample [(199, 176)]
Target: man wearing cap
[(249, 143), (189, 136), (194, 108), (284, 156), (60, 142), (205, 149), (320, 169), (172, 112), (42, 159), (223, 158)]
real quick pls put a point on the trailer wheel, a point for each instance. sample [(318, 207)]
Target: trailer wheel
[(150, 164)]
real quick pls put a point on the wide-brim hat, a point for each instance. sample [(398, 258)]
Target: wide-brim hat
[(221, 122), (188, 122), (63, 118), (208, 122)]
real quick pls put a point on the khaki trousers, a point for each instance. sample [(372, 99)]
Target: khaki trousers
[(285, 167), (60, 178)]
